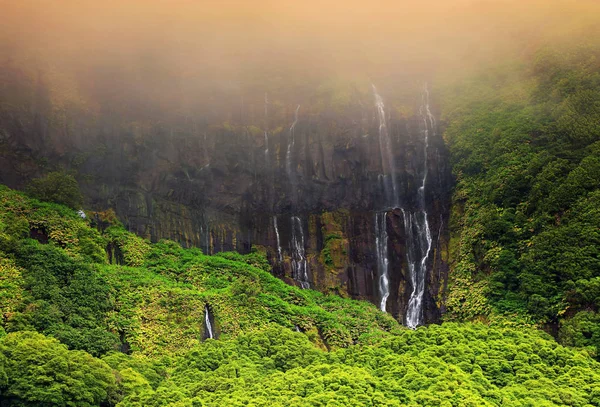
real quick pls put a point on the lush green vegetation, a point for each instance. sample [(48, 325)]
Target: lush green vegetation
[(150, 296), (168, 123), (57, 187), (525, 145), (86, 326), (450, 365), (93, 315)]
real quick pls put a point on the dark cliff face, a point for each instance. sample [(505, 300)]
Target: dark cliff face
[(224, 187), (336, 195)]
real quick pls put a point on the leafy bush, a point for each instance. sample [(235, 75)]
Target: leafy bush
[(448, 365), (524, 147), (57, 187), (40, 371)]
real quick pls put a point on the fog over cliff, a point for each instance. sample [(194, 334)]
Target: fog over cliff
[(311, 130), (156, 59)]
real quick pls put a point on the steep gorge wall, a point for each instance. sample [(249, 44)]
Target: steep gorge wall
[(224, 187)]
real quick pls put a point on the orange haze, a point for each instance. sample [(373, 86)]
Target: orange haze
[(174, 52)]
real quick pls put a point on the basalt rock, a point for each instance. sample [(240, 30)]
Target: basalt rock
[(219, 187)]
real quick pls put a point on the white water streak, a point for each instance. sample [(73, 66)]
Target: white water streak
[(387, 156), (266, 147), (381, 243), (299, 263), (208, 325), (417, 229), (290, 148), (279, 254)]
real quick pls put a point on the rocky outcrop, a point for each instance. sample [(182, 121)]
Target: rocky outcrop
[(224, 187)]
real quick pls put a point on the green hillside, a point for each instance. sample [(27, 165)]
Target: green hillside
[(80, 331), (508, 289), (525, 146), (63, 284)]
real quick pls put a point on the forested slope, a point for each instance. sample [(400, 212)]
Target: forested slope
[(94, 315), (288, 148), (525, 146)]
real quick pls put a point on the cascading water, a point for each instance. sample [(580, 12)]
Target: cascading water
[(418, 246), (279, 254), (381, 243), (210, 334), (388, 182), (417, 229), (387, 156), (266, 146), (299, 263)]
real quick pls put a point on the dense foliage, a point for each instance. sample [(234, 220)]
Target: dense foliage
[(64, 284), (106, 318), (57, 187), (167, 123), (450, 365), (38, 370), (525, 145)]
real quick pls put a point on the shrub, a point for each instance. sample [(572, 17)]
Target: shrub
[(57, 187)]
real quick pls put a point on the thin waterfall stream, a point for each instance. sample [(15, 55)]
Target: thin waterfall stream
[(297, 243), (388, 181), (416, 224), (387, 155), (266, 147), (415, 216), (210, 334), (381, 242), (279, 253), (291, 143), (299, 263)]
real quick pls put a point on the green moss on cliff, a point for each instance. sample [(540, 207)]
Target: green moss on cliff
[(524, 148)]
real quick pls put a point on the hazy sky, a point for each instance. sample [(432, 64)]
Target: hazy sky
[(176, 50)]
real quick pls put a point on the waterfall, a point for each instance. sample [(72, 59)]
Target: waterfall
[(279, 255), (290, 148), (387, 156), (387, 179), (428, 121), (416, 224), (381, 243), (299, 263), (266, 147), (210, 334)]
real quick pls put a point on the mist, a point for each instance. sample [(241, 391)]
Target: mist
[(281, 179), (158, 59)]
